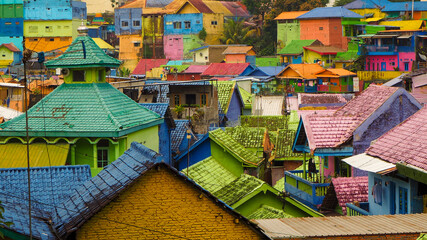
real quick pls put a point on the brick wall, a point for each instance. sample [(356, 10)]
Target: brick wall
[(160, 205), (412, 236)]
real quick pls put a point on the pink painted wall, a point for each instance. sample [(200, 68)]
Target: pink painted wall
[(376, 61), (173, 47), (331, 167), (408, 57)]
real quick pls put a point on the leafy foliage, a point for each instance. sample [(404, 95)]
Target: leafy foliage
[(342, 2), (203, 34), (236, 33)]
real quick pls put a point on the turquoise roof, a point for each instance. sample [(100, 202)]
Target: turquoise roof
[(83, 110), (77, 56)]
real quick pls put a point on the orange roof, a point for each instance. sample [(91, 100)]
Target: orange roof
[(341, 72), (134, 4), (304, 71), (237, 50), (290, 15)]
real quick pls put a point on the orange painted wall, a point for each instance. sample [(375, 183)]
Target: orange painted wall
[(128, 49), (153, 208), (44, 44), (328, 31), (235, 58)]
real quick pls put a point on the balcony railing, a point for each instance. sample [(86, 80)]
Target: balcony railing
[(353, 210), (310, 191), (382, 48)]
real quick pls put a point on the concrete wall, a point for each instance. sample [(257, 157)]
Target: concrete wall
[(44, 44), (148, 137), (52, 10), (183, 211), (328, 31), (173, 47), (11, 10), (201, 56), (195, 20), (60, 28), (286, 32), (11, 27), (124, 20), (129, 47), (190, 42), (235, 58)]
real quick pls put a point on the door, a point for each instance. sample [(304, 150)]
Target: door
[(392, 198), (406, 66), (383, 66), (403, 200)]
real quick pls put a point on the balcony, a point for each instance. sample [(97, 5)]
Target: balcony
[(362, 210), (310, 192), (382, 48)]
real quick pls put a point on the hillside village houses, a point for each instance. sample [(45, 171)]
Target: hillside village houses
[(204, 119)]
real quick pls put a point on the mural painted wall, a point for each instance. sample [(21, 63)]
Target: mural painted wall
[(190, 42)]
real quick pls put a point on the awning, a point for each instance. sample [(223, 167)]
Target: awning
[(405, 36), (385, 36), (370, 164), (366, 35), (422, 36), (14, 155)]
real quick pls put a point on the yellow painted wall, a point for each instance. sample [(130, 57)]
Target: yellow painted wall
[(152, 25), (56, 28), (6, 56), (153, 208), (155, 73), (127, 47), (44, 44), (310, 56), (378, 75), (377, 13), (187, 8), (199, 56)]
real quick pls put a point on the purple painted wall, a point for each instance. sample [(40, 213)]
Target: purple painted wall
[(173, 47)]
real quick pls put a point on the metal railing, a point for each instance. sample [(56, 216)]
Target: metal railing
[(353, 210)]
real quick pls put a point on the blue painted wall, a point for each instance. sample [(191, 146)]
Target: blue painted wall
[(48, 10), (415, 202), (195, 19), (93, 32), (235, 107), (17, 41), (197, 154), (11, 27), (251, 60), (165, 142), (128, 15), (79, 10)]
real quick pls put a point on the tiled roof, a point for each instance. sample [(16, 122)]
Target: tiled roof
[(280, 185), (407, 142), (246, 97), (267, 212), (340, 72), (290, 15), (249, 137), (238, 189), (295, 47), (196, 69), (350, 189), (210, 174), (329, 12), (135, 4), (225, 69), (325, 98), (49, 187), (366, 4), (83, 110), (272, 123), (200, 6), (145, 65), (178, 134), (283, 142), (159, 108), (157, 3), (77, 55), (97, 192), (225, 92), (237, 50), (10, 46), (237, 8), (305, 71), (235, 148)]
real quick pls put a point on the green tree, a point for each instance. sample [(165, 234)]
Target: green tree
[(235, 32), (342, 2), (203, 34), (259, 8)]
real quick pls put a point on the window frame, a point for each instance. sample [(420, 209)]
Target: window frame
[(206, 99)]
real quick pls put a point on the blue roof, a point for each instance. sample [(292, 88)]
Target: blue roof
[(178, 134), (97, 192), (405, 6), (199, 48), (271, 71), (159, 108), (363, 4), (49, 187), (329, 12)]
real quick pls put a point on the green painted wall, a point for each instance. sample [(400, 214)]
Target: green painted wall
[(190, 42), (226, 159), (84, 153), (11, 11), (91, 75), (6, 54), (48, 28), (286, 32), (148, 137), (255, 202)]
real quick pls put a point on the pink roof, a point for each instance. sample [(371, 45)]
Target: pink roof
[(11, 47), (328, 131), (350, 189), (225, 69), (196, 68), (145, 65), (311, 98), (407, 142)]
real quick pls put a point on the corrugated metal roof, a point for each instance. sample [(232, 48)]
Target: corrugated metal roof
[(237, 50), (268, 105), (225, 69), (199, 5), (404, 6), (10, 46), (324, 50), (8, 113), (368, 163), (290, 15), (238, 9), (364, 4), (305, 71), (157, 3), (103, 44), (196, 69), (145, 65), (419, 81), (14, 155), (295, 47), (343, 226), (329, 12), (218, 7), (404, 25)]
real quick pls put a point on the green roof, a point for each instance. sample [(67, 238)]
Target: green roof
[(267, 61), (272, 123), (83, 110), (267, 212), (179, 68), (238, 189), (236, 149), (77, 56), (225, 92), (295, 47), (351, 54), (283, 145), (210, 174), (293, 120), (280, 184), (249, 137), (247, 98)]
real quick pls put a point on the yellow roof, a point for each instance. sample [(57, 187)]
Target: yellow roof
[(14, 155), (102, 44), (372, 19), (218, 7), (290, 15), (404, 25)]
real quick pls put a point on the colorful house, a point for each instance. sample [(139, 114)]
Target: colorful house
[(146, 65), (88, 118), (9, 55), (240, 54), (323, 55), (396, 9), (397, 170), (130, 197), (333, 80), (227, 70), (52, 28), (370, 10), (12, 96), (230, 102), (12, 22), (209, 54), (292, 53), (329, 25), (296, 76), (288, 28)]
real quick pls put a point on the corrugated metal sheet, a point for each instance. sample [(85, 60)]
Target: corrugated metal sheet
[(237, 50), (218, 7), (225, 69), (419, 81), (369, 163), (145, 65), (268, 105), (14, 155), (343, 226), (290, 15), (237, 9), (329, 12), (201, 6)]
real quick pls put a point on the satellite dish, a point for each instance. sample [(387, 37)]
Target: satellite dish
[(65, 72)]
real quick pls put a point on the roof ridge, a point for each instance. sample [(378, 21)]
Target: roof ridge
[(104, 106)]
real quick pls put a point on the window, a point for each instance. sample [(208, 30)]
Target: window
[(214, 23), (125, 23), (3, 55), (201, 54), (177, 100), (403, 200), (320, 28), (17, 23), (377, 191), (100, 76), (51, 39), (325, 159), (391, 63), (137, 44), (187, 24), (8, 23), (78, 76), (136, 23), (102, 146), (190, 99), (203, 99), (177, 25)]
